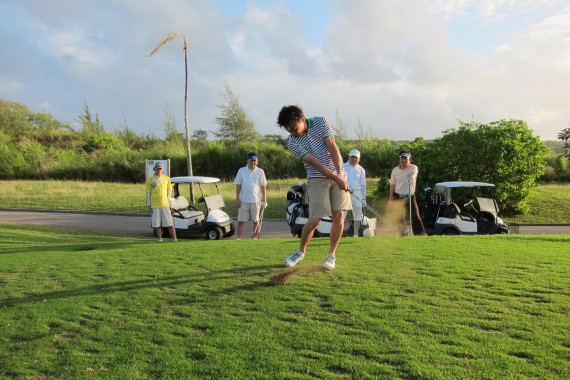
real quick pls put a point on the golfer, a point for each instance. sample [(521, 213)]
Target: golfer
[(312, 141), (403, 185), (250, 182), (158, 192), (356, 178)]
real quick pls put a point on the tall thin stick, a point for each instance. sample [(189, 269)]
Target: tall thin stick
[(169, 37)]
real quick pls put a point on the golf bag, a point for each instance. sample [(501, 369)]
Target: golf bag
[(297, 213)]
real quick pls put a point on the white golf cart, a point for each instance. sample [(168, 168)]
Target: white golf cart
[(297, 215), (479, 214), (189, 220)]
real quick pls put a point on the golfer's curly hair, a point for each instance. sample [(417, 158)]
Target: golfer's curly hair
[(288, 114)]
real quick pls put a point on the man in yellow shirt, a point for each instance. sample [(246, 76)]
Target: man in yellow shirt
[(158, 192)]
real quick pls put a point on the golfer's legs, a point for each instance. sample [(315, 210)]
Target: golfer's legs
[(307, 233), (336, 230)]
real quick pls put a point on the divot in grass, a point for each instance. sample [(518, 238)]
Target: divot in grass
[(285, 276)]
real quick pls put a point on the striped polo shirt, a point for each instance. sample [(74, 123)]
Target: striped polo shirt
[(313, 142)]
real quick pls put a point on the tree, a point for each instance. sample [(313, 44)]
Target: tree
[(362, 134), (94, 135), (503, 152), (235, 124), (170, 130), (340, 132), (200, 135), (564, 135)]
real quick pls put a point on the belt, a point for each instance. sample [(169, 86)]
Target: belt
[(402, 195)]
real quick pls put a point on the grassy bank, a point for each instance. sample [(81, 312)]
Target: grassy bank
[(85, 306), (548, 204)]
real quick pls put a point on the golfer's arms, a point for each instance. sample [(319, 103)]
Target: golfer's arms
[(264, 193), (338, 178), (330, 142)]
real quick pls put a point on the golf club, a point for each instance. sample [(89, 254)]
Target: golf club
[(257, 230)]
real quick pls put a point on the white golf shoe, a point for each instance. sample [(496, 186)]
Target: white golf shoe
[(292, 260), (329, 262)]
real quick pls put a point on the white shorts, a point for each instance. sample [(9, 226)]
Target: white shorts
[(248, 211), (161, 217)]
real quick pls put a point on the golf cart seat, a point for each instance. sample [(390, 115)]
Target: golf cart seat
[(179, 206)]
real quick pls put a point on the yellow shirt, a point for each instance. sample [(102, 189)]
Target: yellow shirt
[(159, 189)]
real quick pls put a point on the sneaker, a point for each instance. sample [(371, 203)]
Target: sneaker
[(159, 239), (329, 262), (254, 238), (238, 238), (174, 239), (292, 260)]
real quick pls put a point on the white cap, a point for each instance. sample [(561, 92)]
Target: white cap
[(354, 152)]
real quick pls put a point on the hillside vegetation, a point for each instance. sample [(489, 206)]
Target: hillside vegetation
[(37, 146)]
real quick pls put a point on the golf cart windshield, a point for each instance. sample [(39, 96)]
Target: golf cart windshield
[(445, 188), (488, 204)]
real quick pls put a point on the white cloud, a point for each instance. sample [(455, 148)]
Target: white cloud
[(387, 64)]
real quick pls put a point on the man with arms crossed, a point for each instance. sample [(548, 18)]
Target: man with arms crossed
[(158, 192), (312, 140)]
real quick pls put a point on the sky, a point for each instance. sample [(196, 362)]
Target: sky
[(386, 69)]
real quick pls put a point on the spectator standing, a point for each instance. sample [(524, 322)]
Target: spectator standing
[(250, 182), (402, 180), (356, 178), (158, 192)]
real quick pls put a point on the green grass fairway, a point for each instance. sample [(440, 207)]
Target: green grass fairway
[(85, 306)]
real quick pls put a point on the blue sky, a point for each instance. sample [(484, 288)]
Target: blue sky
[(390, 69)]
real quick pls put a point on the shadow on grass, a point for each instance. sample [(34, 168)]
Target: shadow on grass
[(256, 272), (38, 248)]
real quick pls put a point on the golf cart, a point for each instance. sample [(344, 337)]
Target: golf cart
[(479, 214), (189, 220), (297, 214)]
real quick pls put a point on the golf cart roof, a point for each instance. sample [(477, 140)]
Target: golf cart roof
[(463, 184), (194, 179), (445, 187)]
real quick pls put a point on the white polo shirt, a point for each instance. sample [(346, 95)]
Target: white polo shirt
[(250, 182)]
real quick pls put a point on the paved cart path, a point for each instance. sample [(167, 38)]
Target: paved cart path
[(138, 225)]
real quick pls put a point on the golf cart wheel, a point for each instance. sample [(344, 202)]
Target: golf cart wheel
[(450, 231), (231, 232), (214, 233)]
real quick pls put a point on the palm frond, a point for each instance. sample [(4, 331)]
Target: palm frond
[(169, 37)]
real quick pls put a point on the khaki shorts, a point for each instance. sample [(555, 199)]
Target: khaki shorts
[(248, 211), (324, 196), (161, 217)]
